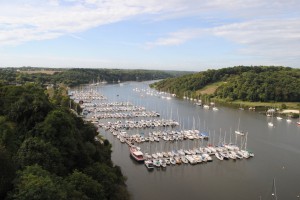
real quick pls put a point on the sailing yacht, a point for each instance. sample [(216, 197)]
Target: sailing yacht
[(238, 131), (288, 120), (271, 122), (274, 194)]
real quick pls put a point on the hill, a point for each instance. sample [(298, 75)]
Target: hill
[(77, 76), (47, 152), (254, 84)]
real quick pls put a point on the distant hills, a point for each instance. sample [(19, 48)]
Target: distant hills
[(77, 76), (246, 83)]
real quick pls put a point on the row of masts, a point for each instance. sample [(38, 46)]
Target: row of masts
[(166, 132)]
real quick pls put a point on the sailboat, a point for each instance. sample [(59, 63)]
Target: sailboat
[(288, 120), (238, 131), (271, 122), (274, 194)]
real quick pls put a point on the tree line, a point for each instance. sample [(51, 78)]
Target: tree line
[(78, 76), (47, 152), (247, 83)]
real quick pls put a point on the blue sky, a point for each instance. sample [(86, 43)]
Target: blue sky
[(149, 34)]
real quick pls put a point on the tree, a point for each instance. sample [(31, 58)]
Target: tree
[(36, 183), (36, 151), (8, 136), (7, 172), (83, 187)]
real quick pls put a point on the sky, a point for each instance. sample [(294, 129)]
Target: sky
[(190, 35)]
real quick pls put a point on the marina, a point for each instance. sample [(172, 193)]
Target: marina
[(173, 150), (200, 149)]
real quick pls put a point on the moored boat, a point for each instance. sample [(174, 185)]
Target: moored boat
[(136, 154), (149, 164)]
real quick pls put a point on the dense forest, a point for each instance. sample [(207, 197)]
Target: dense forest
[(75, 77), (259, 83), (47, 152)]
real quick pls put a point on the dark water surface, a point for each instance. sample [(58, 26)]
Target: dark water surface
[(277, 153)]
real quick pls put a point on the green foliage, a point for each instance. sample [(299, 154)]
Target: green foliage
[(242, 83), (82, 187), (110, 177), (34, 150), (283, 106), (7, 172), (8, 136), (75, 77), (36, 183), (26, 105), (51, 147)]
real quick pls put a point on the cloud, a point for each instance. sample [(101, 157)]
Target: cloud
[(262, 31), (176, 38), (29, 20), (269, 40)]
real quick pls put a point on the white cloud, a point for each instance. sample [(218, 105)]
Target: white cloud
[(266, 29), (38, 20), (270, 41), (177, 38)]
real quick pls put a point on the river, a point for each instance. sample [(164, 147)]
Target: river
[(277, 153)]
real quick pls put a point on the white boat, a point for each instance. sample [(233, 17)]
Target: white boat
[(279, 118), (274, 193), (197, 158), (156, 162), (219, 156), (160, 155), (215, 109), (288, 120), (191, 159), (271, 122), (207, 157), (206, 106), (149, 164), (168, 161), (184, 160), (163, 163), (136, 154), (239, 155), (238, 131), (172, 161), (224, 155), (154, 155)]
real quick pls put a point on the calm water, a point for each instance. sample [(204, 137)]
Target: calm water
[(277, 154)]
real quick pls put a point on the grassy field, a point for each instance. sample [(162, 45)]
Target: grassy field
[(209, 89)]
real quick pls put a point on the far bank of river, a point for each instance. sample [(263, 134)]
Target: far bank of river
[(282, 108)]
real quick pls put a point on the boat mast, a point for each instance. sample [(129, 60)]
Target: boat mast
[(246, 141), (274, 194)]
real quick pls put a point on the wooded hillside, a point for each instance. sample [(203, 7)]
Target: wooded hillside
[(261, 83)]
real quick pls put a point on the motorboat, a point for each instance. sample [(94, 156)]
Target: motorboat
[(172, 161), (149, 164), (136, 154), (156, 162)]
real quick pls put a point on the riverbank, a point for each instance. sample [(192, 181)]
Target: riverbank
[(285, 108)]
